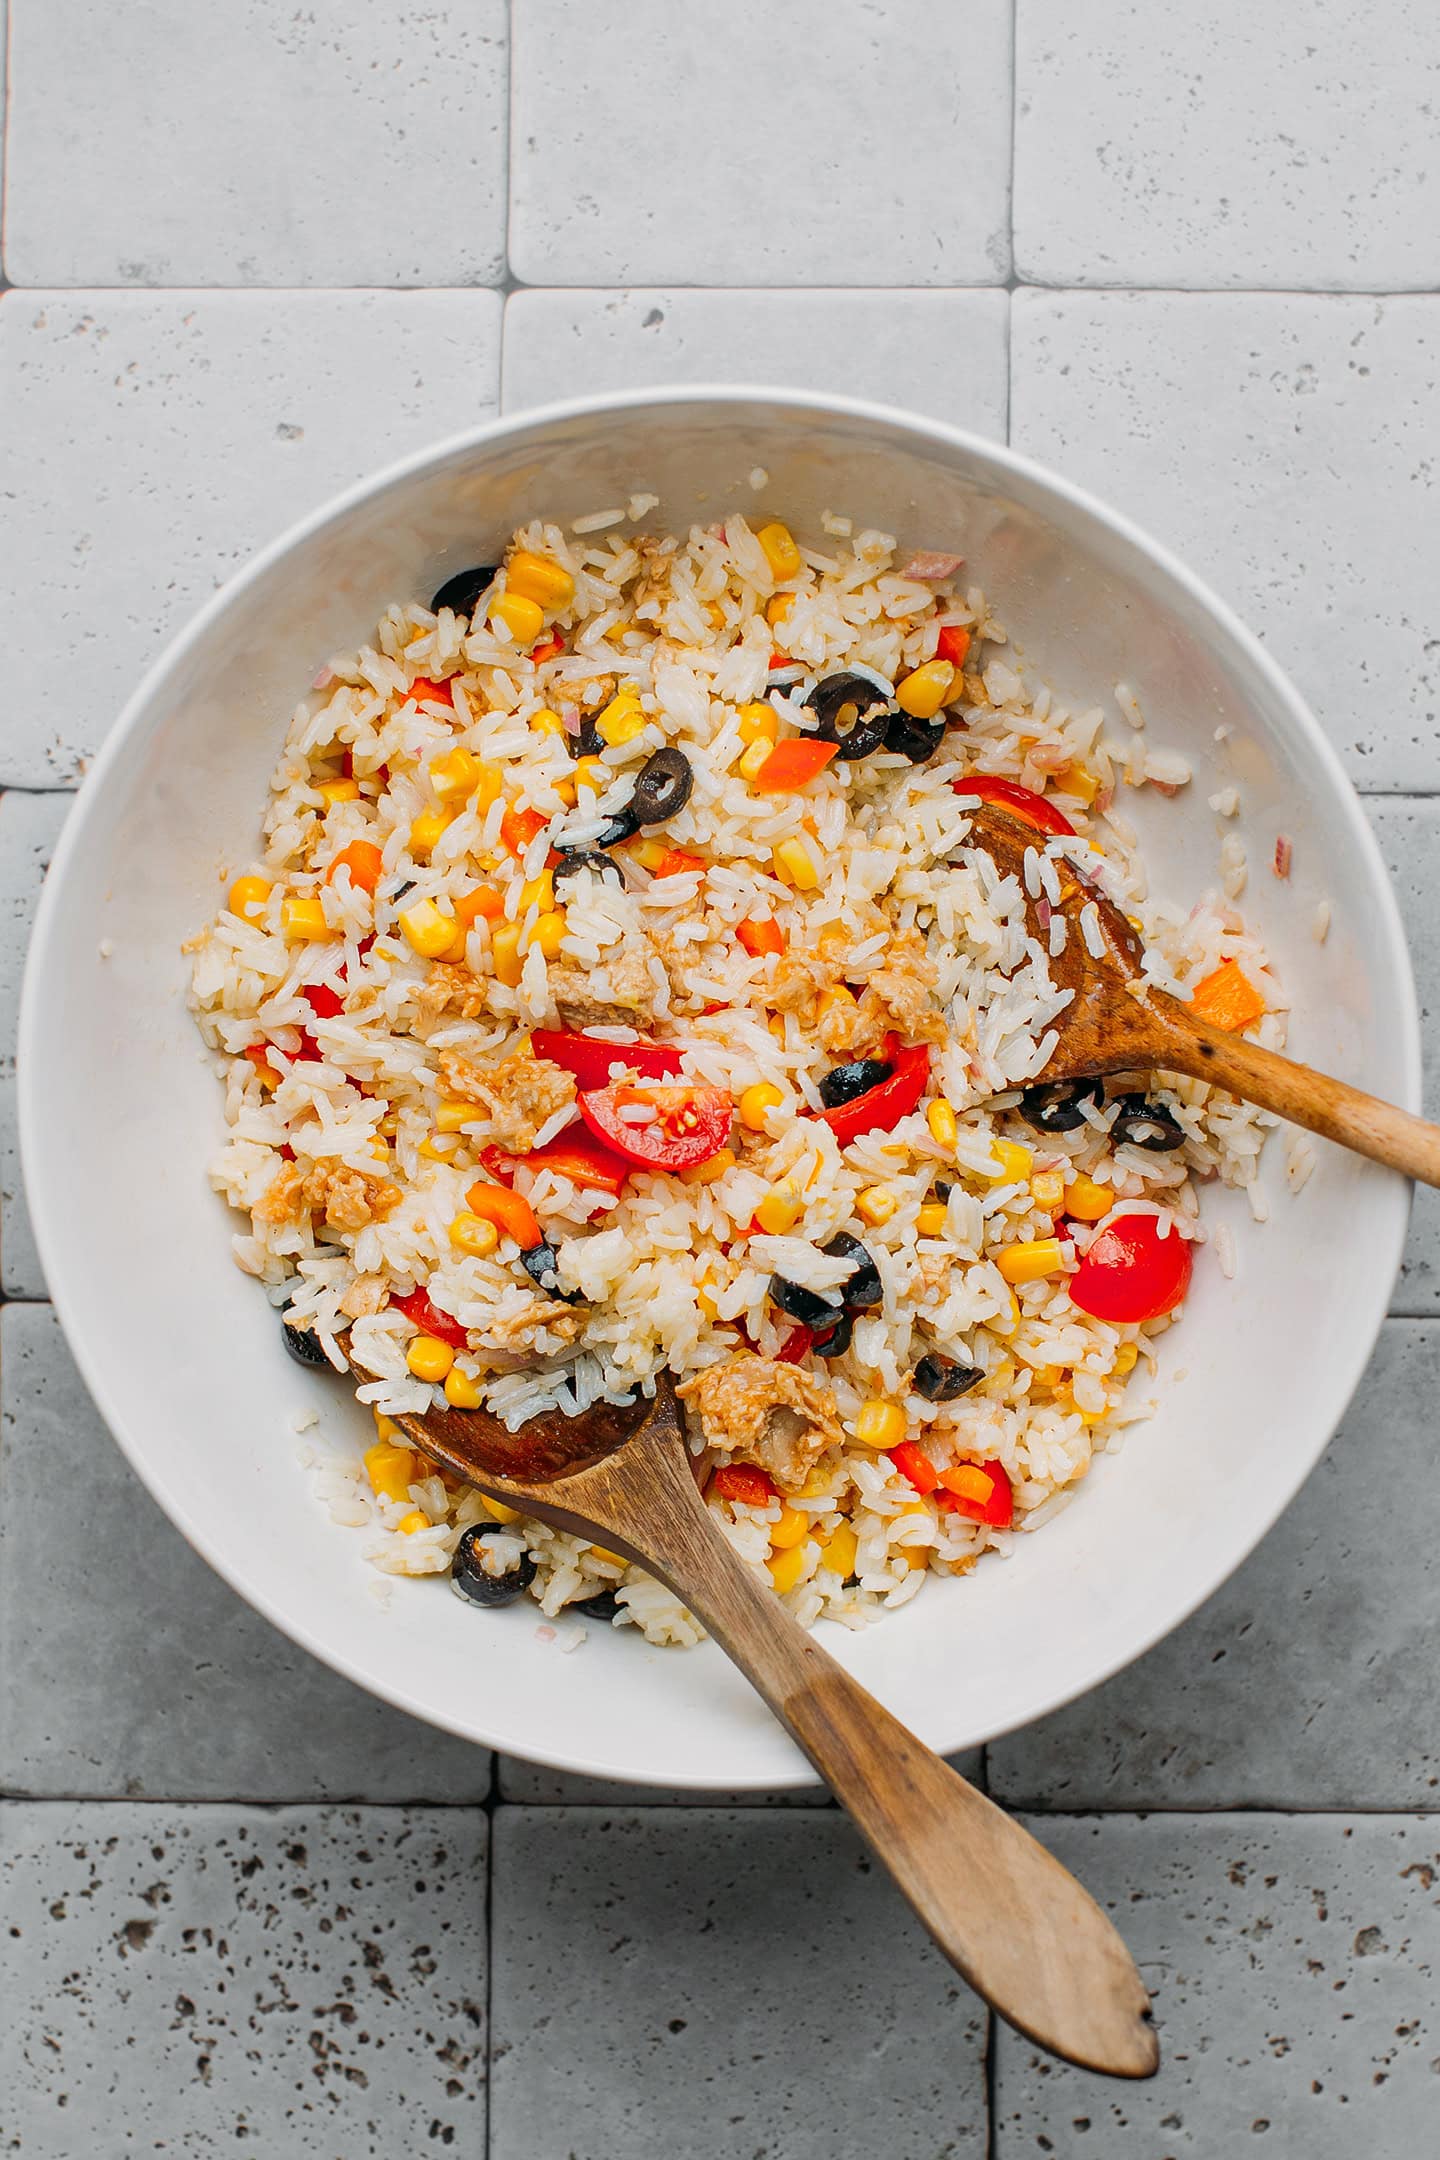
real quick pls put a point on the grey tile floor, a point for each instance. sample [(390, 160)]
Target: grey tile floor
[(251, 252)]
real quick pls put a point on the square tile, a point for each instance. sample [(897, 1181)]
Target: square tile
[(154, 441), (305, 1981), (128, 1668), (1307, 1681), (942, 353), (1408, 829), (29, 828), (1285, 446), (346, 142), (746, 144), (718, 1985), (1228, 145), (1293, 1967)]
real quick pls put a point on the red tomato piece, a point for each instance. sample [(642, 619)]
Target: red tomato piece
[(590, 1059), (998, 1508), (430, 1320), (744, 1482), (684, 1125), (1131, 1272), (792, 763), (324, 1002), (880, 1108), (574, 1154), (953, 644), (432, 693), (1021, 802), (914, 1465)]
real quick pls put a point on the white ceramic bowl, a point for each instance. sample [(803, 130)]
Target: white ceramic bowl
[(120, 1109)]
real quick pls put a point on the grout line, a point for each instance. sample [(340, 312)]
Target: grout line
[(489, 1806), (990, 2064)]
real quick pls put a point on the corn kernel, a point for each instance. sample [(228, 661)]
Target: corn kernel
[(456, 949), (922, 693), (455, 1116), (455, 775), (786, 1568), (793, 864), (879, 1424), (779, 1211), (943, 1123), (705, 1299), (622, 719), (1030, 1260), (753, 759), (473, 1235), (489, 781), (538, 892), (523, 618), (385, 1426), (755, 1103), (840, 1551), (1075, 780), (792, 1529), (440, 1147), (1047, 1188), (603, 1552), (915, 1557), (539, 578), (999, 1381), (1012, 1160), (836, 999), (877, 1204), (546, 722), (759, 722), (417, 1519), (549, 933), (429, 1358), (498, 1511), (649, 853), (390, 1469), (302, 918), (1005, 1323), (505, 951), (1087, 1201), (426, 930), (338, 791), (932, 1219), (380, 1148), (779, 608), (593, 772), (426, 830), (1126, 1356), (461, 1392), (247, 897), (705, 1173), (267, 1076), (778, 543)]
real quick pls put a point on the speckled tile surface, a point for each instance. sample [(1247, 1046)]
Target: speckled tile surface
[(243, 1905)]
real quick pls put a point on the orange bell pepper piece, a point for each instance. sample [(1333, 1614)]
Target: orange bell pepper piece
[(1227, 998)]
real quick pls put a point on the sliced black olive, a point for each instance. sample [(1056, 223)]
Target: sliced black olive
[(573, 859), (941, 1379), (1147, 1125), (917, 740), (543, 1267), (845, 1082), (863, 1289), (621, 825), (603, 1606), (834, 1340), (852, 711), (462, 592), (807, 1306), (472, 1580), (407, 885), (303, 1345), (590, 742), (1054, 1106), (663, 786), (943, 1187)]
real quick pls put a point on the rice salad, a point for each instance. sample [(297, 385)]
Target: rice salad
[(619, 991)]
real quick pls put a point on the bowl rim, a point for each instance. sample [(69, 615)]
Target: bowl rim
[(1384, 924)]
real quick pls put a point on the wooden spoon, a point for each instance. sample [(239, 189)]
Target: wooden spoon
[(1006, 1914), (1116, 1022)]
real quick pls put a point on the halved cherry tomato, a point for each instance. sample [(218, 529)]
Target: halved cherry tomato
[(430, 1320), (1021, 802), (882, 1107), (434, 693), (980, 1491), (953, 644), (792, 763), (519, 827), (683, 1125), (324, 1002), (1131, 1272), (744, 1482), (915, 1466), (590, 1059), (760, 937), (575, 1154), (364, 862)]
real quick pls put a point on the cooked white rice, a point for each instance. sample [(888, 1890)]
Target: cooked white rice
[(349, 1173)]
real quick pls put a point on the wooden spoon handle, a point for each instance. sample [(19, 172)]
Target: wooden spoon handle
[(1297, 1092)]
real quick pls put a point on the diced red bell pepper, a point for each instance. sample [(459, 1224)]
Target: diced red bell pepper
[(1131, 1272), (1021, 802), (519, 827), (881, 1108), (574, 1153), (761, 937), (914, 1465), (793, 764), (797, 1344), (430, 1320), (259, 1056), (589, 1058), (953, 644), (547, 648), (434, 693), (324, 1002), (745, 1482), (674, 860), (963, 1492), (686, 1125)]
